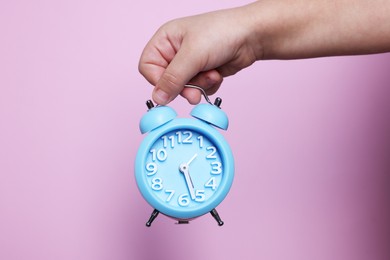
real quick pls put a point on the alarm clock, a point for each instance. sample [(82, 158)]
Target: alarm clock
[(184, 167)]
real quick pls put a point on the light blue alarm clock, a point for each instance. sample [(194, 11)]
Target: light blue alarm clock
[(184, 167)]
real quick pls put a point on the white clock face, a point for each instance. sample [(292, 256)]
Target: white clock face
[(183, 169)]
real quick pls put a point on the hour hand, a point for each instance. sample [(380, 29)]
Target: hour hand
[(184, 169)]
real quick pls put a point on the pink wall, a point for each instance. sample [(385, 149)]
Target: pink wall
[(311, 141)]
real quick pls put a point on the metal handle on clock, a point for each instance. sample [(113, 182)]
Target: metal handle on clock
[(217, 101)]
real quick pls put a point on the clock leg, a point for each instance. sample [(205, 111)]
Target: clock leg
[(152, 217), (215, 215), (182, 221)]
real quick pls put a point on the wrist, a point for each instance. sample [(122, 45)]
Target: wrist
[(282, 29), (299, 29), (288, 29)]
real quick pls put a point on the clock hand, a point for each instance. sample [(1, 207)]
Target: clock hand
[(184, 169), (193, 157)]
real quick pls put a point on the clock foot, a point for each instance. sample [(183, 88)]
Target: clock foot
[(152, 217), (215, 215), (183, 221)]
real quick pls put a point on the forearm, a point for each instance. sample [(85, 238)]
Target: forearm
[(205, 48), (289, 29)]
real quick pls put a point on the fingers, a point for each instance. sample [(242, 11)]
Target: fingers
[(155, 57), (166, 89), (192, 95), (182, 52), (184, 66), (210, 81)]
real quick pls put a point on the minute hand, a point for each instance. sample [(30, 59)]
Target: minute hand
[(184, 169)]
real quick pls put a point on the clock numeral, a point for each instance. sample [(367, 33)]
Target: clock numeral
[(151, 168), (184, 200), (200, 138), (170, 139), (184, 137), (157, 184), (200, 196), (187, 140), (171, 193), (178, 134), (216, 168), (211, 183), (211, 155), (160, 154)]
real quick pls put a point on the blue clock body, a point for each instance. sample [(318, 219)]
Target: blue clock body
[(184, 167)]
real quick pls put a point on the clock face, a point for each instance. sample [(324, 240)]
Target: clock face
[(183, 169)]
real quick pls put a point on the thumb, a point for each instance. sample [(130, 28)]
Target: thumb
[(183, 67)]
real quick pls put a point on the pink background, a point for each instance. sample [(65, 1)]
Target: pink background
[(310, 138)]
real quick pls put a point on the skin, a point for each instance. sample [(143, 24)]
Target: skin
[(205, 48)]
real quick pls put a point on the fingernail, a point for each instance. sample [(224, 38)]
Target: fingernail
[(161, 97)]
